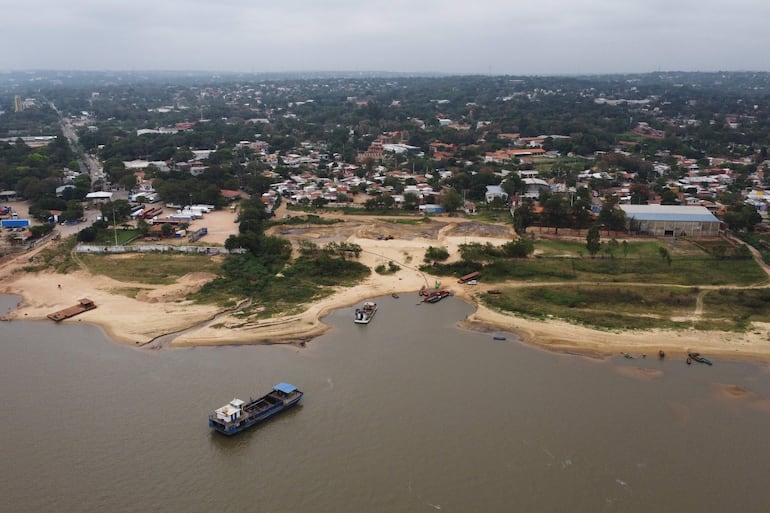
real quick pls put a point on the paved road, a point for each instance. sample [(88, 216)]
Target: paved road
[(88, 164)]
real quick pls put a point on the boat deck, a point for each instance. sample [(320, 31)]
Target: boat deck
[(83, 305)]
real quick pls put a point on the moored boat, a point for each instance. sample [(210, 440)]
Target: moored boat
[(238, 415), (365, 314), (83, 305), (698, 358), (436, 296)]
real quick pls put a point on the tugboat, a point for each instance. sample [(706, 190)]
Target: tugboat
[(365, 314)]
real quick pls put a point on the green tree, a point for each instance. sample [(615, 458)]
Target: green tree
[(513, 185), (411, 200), (451, 201), (669, 197), (618, 220), (319, 202), (742, 218), (593, 241), (519, 248), (115, 212), (142, 227), (74, 211), (581, 214), (556, 212), (524, 216), (664, 254)]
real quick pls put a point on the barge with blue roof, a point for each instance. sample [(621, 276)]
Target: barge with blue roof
[(238, 415)]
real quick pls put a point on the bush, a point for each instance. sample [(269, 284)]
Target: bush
[(519, 248), (391, 268), (436, 254)]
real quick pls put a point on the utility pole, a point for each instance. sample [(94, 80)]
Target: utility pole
[(114, 224)]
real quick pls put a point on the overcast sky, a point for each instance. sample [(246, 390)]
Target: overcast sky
[(454, 36)]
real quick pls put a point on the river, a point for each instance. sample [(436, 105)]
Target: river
[(406, 414)]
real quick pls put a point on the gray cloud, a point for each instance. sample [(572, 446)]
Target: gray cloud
[(517, 37)]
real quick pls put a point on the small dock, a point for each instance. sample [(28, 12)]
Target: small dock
[(83, 305)]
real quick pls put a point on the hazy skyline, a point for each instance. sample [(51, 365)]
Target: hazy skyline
[(451, 36)]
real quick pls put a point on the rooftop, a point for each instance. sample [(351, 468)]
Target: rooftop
[(669, 213)]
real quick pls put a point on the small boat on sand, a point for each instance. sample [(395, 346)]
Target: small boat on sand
[(698, 358)]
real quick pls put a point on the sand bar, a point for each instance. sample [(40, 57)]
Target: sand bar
[(153, 311)]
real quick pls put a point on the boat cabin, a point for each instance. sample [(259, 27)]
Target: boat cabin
[(86, 303), (231, 411), (284, 389)]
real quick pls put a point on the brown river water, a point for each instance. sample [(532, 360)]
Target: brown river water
[(407, 414)]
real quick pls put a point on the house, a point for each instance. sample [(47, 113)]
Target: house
[(533, 186), (99, 197), (495, 191), (60, 190), (230, 195), (8, 196), (431, 209)]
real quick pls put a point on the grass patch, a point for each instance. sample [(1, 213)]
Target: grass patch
[(741, 306), (280, 293), (301, 220), (131, 292), (151, 268), (637, 250), (605, 307), (57, 257), (493, 216), (107, 236), (611, 307), (410, 221), (687, 267)]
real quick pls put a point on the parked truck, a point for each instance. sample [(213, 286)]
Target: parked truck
[(149, 213), (197, 234)]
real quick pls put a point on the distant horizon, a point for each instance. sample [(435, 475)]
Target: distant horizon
[(369, 72), (452, 37)]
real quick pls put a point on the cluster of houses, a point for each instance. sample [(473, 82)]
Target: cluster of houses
[(321, 176), (341, 182)]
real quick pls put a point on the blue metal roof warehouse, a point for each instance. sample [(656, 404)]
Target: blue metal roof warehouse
[(15, 223), (672, 220)]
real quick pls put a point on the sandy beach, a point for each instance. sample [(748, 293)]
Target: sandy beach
[(139, 318)]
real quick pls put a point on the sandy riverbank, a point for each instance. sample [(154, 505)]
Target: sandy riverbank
[(136, 313)]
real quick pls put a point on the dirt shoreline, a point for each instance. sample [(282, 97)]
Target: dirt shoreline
[(133, 322), (136, 318)]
